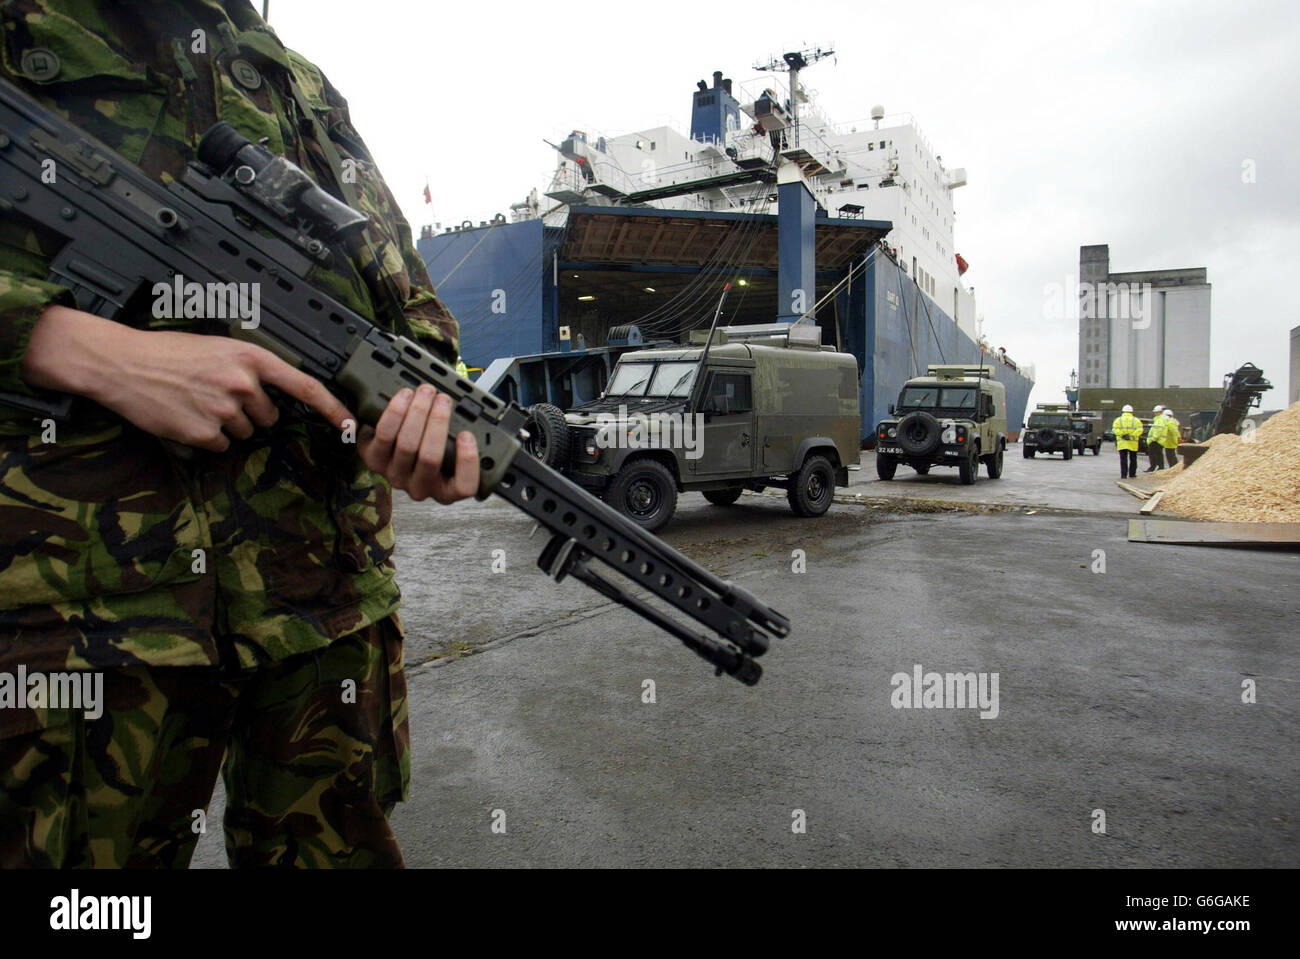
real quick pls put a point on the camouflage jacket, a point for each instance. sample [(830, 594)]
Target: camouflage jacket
[(112, 550)]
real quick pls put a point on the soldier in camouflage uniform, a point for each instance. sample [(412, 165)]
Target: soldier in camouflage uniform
[(241, 602)]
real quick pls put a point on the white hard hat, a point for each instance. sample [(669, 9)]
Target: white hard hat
[(1169, 413), (1158, 408), (1127, 408)]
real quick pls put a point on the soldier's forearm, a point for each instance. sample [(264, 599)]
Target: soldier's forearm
[(72, 351)]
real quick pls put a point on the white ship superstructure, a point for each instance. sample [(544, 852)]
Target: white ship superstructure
[(882, 168)]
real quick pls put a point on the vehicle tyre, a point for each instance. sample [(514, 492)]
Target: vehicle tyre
[(1029, 452), (1068, 452), (1046, 438), (548, 435), (723, 497), (923, 469), (994, 464), (813, 487), (886, 466), (1096, 450), (968, 469), (919, 434), (645, 492)]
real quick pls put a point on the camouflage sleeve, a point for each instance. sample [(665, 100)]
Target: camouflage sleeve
[(428, 317), (22, 300)]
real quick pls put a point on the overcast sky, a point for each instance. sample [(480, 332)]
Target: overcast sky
[(1122, 123)]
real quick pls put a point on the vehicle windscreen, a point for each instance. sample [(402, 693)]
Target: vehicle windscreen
[(672, 379), (937, 397), (1048, 420), (630, 379)]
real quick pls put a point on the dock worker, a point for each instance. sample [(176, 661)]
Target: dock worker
[(1155, 452), (1171, 437), (1128, 430)]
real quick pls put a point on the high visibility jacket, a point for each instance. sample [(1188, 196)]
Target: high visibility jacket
[(1156, 431), (1173, 432), (1128, 430)]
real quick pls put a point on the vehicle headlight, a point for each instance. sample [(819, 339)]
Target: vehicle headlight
[(892, 432)]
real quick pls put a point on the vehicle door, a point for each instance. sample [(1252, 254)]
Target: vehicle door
[(726, 447)]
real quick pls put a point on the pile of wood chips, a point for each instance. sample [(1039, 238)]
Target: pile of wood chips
[(1255, 479)]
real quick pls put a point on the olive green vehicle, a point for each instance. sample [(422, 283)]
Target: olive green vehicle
[(1087, 429), (954, 416), (1049, 430), (765, 411)]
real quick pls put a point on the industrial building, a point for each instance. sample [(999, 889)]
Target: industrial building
[(1148, 329)]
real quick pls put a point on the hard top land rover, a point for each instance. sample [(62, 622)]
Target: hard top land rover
[(1087, 428), (955, 416), (1049, 431), (768, 411)]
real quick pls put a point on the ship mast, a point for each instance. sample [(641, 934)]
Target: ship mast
[(792, 63)]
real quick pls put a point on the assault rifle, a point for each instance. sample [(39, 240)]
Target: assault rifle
[(241, 215)]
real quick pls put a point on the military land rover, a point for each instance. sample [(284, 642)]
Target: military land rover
[(754, 409), (1049, 431), (1087, 429), (954, 416)]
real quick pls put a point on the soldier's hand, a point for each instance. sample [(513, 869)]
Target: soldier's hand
[(195, 389), (409, 442)]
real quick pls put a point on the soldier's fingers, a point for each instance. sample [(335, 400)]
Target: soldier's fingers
[(260, 409), (433, 449), (463, 483), (377, 448), (238, 426), (407, 446), (275, 371)]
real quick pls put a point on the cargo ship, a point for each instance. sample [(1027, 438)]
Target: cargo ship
[(846, 225)]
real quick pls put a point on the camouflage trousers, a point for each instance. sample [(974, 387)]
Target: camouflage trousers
[(313, 750)]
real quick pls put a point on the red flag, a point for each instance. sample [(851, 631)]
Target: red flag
[(428, 197)]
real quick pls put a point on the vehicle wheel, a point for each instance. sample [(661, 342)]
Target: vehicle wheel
[(1029, 452), (994, 464), (968, 470), (645, 492), (1067, 452), (723, 497), (886, 466), (548, 435), (813, 487), (923, 469), (1096, 450)]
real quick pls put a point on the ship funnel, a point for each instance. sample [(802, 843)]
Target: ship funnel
[(714, 111)]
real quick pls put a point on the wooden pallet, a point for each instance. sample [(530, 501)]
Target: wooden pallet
[(1192, 533)]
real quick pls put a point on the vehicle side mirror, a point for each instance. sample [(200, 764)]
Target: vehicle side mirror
[(891, 409)]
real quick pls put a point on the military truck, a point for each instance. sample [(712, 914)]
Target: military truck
[(1049, 431), (762, 409), (953, 416), (1087, 428)]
